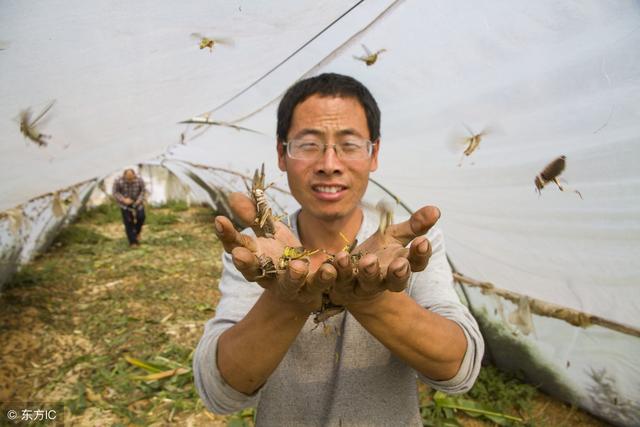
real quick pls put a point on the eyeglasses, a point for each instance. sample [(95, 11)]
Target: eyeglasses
[(313, 149)]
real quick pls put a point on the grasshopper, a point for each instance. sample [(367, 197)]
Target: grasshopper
[(369, 57), (327, 310), (267, 268), (265, 220), (29, 128), (348, 248), (472, 141), (385, 208), (264, 226), (551, 172), (208, 42), (290, 253)]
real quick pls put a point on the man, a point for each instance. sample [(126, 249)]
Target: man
[(128, 190), (402, 316)]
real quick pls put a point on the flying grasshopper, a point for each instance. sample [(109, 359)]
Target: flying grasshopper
[(472, 142), (551, 172), (29, 127), (209, 42), (369, 58)]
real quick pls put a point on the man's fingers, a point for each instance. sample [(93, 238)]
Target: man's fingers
[(343, 267), (419, 223), (398, 275), (243, 208), (247, 263), (369, 275), (294, 277), (419, 253), (230, 237), (322, 279)]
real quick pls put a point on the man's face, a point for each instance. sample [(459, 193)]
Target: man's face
[(129, 176), (314, 182)]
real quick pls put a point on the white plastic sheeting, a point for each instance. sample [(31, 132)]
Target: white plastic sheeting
[(549, 78), (31, 227)]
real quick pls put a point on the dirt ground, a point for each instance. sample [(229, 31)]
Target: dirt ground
[(72, 322)]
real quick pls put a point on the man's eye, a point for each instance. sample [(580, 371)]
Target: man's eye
[(350, 146), (309, 145)]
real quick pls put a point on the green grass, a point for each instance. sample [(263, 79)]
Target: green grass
[(160, 218), (100, 215), (92, 286), (503, 391), (496, 397), (79, 235), (176, 206), (34, 274)]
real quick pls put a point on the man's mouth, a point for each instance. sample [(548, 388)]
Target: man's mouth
[(331, 189), (329, 192)]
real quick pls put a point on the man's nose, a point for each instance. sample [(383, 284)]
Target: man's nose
[(329, 163)]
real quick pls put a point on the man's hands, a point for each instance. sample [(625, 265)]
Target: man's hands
[(295, 284), (386, 264)]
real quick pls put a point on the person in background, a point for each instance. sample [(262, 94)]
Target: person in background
[(129, 190)]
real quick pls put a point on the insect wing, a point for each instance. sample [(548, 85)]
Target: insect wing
[(471, 134), (366, 50), (41, 115), (224, 41), (24, 117)]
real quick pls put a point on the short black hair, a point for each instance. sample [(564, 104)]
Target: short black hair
[(331, 85)]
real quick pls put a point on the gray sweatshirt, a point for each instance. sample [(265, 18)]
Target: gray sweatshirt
[(337, 374)]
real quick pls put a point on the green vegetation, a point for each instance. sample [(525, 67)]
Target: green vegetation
[(176, 206), (100, 215), (160, 219), (496, 396), (77, 234), (503, 391), (33, 274), (101, 304)]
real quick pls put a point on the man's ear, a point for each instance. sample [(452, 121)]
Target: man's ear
[(282, 154), (374, 155)]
